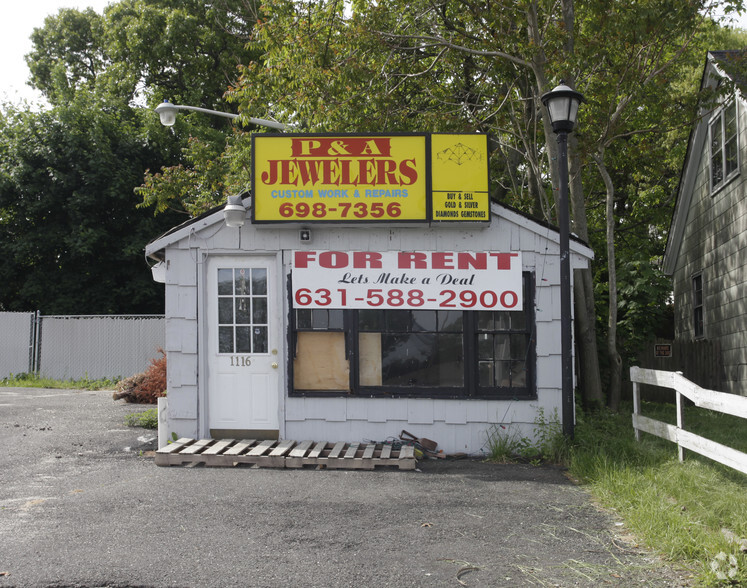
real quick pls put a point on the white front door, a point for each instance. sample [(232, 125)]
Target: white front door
[(243, 334)]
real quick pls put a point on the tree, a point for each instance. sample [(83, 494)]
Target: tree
[(637, 111), (478, 65), (73, 234), (68, 54), (72, 237), (181, 50), (433, 66)]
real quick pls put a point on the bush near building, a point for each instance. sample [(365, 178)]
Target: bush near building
[(145, 387)]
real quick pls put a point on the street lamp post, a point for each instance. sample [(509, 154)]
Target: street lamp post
[(234, 211), (562, 106), (167, 111)]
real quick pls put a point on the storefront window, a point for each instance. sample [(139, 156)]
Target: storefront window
[(411, 348), (415, 353), (503, 349)]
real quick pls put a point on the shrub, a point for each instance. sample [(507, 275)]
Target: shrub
[(146, 387)]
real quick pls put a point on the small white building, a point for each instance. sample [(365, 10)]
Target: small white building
[(344, 332)]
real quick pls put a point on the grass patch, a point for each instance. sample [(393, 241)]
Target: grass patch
[(677, 509), (147, 419), (37, 381)]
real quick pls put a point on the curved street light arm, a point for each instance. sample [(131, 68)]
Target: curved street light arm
[(167, 111)]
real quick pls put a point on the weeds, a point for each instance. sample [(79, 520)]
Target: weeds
[(25, 380), (146, 419), (547, 443)]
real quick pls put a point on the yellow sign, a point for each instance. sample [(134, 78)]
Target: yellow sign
[(344, 178), (459, 172)]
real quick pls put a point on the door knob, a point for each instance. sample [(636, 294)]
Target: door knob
[(274, 365)]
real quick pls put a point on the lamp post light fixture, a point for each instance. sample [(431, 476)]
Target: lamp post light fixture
[(562, 106), (167, 111)]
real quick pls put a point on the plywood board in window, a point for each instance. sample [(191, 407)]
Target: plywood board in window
[(369, 346), (320, 362)]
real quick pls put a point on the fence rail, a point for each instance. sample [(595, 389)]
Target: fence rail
[(702, 398), (81, 346)]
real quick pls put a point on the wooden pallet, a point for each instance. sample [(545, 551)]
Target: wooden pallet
[(285, 454)]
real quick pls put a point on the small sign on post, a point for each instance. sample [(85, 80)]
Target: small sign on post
[(662, 350)]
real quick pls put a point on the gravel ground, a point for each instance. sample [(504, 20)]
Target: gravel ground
[(82, 504)]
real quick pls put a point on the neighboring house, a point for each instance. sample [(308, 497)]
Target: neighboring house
[(707, 248), (337, 332)]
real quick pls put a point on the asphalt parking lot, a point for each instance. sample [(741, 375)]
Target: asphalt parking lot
[(83, 504)]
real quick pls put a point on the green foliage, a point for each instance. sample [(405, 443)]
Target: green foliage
[(184, 50), (73, 236), (36, 381), (146, 419), (212, 170), (68, 54), (677, 509)]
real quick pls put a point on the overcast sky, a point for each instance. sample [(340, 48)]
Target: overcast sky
[(19, 19)]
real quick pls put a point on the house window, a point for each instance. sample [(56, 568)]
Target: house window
[(724, 146), (415, 353), (698, 306)]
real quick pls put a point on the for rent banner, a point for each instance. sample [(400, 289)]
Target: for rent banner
[(318, 178), (440, 280)]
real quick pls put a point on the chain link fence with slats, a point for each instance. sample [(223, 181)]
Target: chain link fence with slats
[(16, 342), (76, 347)]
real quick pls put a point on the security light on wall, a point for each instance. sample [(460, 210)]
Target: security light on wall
[(234, 212), (305, 235)]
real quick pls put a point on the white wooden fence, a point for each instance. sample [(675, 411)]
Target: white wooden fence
[(709, 399)]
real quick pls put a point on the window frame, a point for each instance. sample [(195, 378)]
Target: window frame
[(470, 389), (719, 122)]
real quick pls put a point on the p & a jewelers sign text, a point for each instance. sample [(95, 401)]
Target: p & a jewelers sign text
[(425, 280)]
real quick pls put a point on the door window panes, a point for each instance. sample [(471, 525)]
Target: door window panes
[(242, 310)]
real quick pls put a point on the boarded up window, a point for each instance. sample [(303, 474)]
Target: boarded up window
[(320, 362), (370, 360)]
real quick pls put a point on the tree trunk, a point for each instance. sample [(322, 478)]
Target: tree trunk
[(590, 379), (615, 379)]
